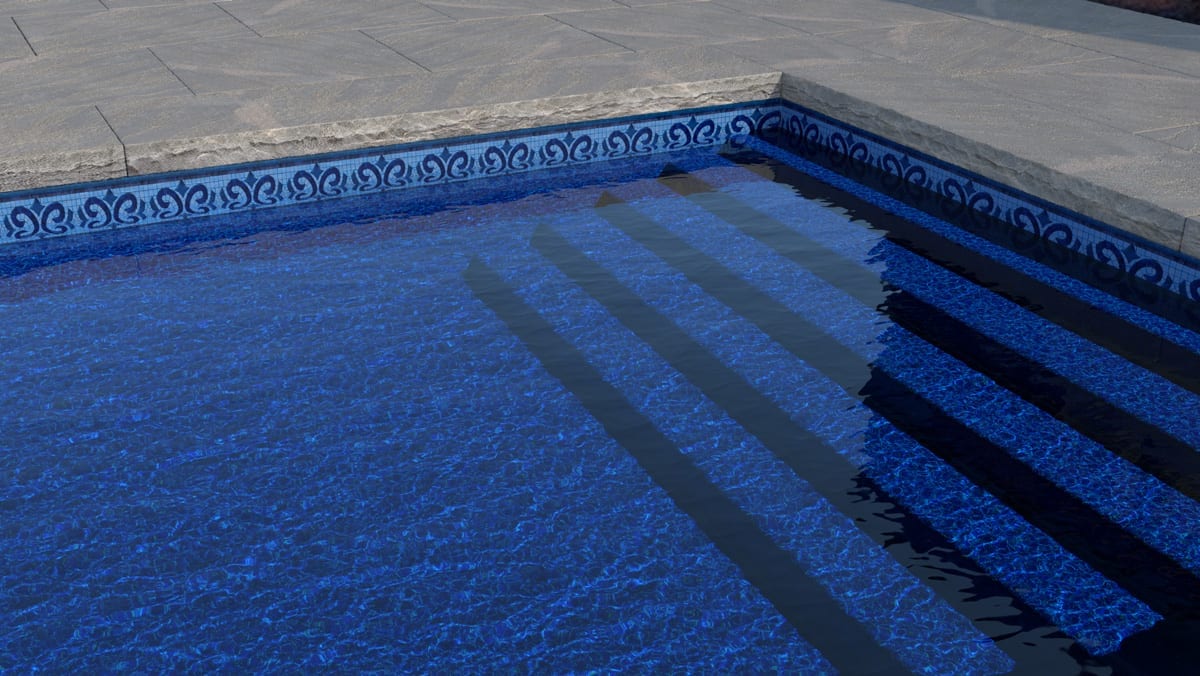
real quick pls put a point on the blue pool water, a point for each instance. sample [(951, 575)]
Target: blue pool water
[(716, 410)]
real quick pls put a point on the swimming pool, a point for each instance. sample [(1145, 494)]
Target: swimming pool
[(718, 408)]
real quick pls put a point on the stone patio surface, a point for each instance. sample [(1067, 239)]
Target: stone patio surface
[(1089, 106)]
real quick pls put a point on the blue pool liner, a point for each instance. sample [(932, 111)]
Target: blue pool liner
[(348, 464), (1084, 603), (1042, 273), (897, 608)]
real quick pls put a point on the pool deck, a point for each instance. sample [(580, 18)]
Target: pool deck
[(1092, 107)]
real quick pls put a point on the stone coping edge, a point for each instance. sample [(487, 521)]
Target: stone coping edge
[(471, 143)]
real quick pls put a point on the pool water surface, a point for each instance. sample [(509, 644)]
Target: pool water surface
[(716, 410)]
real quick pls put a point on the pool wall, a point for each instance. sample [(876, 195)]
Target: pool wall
[(195, 194)]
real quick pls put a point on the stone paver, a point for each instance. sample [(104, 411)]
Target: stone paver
[(83, 148), (293, 17), (685, 23), (1124, 94), (117, 30), (1090, 106), (964, 48), (1186, 136), (255, 63), (82, 79), (482, 42), (821, 17), (469, 9), (12, 43)]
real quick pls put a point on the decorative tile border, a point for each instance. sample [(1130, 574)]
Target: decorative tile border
[(181, 196), (1124, 253)]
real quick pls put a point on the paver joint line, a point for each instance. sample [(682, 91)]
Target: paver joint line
[(23, 36), (124, 151)]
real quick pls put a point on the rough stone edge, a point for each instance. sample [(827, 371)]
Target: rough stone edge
[(225, 149), (1130, 214), (25, 172), (1189, 239)]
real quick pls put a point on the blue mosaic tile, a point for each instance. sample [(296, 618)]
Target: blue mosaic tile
[(186, 195), (196, 194), (842, 144)]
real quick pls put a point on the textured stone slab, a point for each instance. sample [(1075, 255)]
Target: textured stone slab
[(964, 48), (489, 41), (483, 9), (1040, 17), (1174, 47), (256, 63), (290, 17), (800, 54), (686, 23), (1119, 178), (162, 135), (834, 16), (12, 43), (126, 4), (1186, 137), (1116, 92), (80, 79), (9, 8), (122, 29), (56, 145), (1190, 243)]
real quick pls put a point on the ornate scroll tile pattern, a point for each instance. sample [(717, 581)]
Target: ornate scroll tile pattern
[(186, 195), (961, 192)]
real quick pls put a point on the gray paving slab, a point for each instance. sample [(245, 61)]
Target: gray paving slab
[(255, 63), (473, 9), (12, 43), (962, 47), (1171, 47), (834, 16), (686, 23), (1116, 177), (189, 132), (125, 4), (81, 79), (482, 42), (1186, 137), (1116, 92), (46, 145), (291, 17), (9, 8), (1043, 17), (1190, 243), (117, 30)]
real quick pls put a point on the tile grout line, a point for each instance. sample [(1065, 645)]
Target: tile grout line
[(170, 70), (395, 51), (218, 6), (27, 42), (124, 150)]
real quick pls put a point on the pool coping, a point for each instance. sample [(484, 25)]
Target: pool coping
[(191, 196)]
